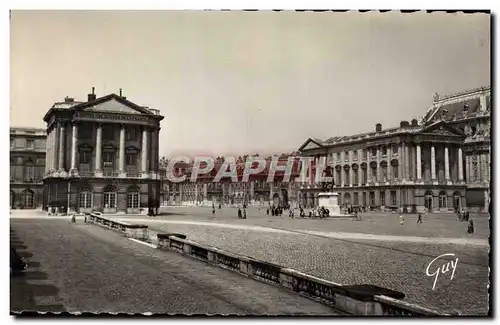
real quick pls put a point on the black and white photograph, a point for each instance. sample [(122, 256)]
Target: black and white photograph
[(250, 163)]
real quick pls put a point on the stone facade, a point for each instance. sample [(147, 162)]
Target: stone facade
[(27, 165), (102, 155), (257, 191), (436, 164)]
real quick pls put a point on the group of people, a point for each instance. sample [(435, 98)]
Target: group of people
[(464, 216)]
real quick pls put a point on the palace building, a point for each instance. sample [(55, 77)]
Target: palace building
[(439, 163), (257, 191), (102, 155), (27, 166)]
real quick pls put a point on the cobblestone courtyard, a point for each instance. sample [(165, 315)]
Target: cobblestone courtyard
[(377, 250)]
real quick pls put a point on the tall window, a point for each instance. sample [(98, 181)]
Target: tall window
[(108, 158), (382, 198), (365, 175), (395, 149), (393, 198), (364, 198), (356, 175), (85, 198), (384, 151), (372, 198), (346, 155), (29, 171), (131, 159), (338, 176), (384, 172), (355, 199), (30, 144), (346, 179), (133, 198), (395, 174), (374, 174), (110, 197), (85, 157)]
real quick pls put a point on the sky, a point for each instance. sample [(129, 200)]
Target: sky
[(230, 83)]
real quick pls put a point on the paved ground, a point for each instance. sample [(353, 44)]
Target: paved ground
[(83, 268), (315, 247)]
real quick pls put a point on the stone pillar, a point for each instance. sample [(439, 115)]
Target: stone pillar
[(55, 148), (311, 174), (144, 150), (468, 173), (49, 151), (62, 139), (389, 166), (121, 163), (401, 162), (407, 162), (433, 163), (419, 163), (98, 149), (378, 164), (446, 164), (482, 103), (74, 144)]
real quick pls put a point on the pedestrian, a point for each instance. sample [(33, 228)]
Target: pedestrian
[(213, 210), (419, 219), (267, 211), (239, 213), (470, 228), (401, 220), (220, 206), (244, 213)]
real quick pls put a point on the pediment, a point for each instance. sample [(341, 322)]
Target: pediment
[(309, 145), (113, 106), (442, 129)]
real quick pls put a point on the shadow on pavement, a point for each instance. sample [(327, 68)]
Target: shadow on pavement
[(23, 293)]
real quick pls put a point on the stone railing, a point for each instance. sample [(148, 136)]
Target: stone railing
[(129, 230), (367, 300)]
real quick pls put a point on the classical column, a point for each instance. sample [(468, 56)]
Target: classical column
[(407, 162), (121, 165), (460, 166), (401, 161), (62, 138), (419, 163), (144, 150), (310, 182), (98, 148), (48, 161), (55, 148), (74, 143), (378, 164), (446, 164), (389, 166), (433, 163)]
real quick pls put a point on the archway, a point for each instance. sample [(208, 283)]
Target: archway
[(27, 199), (428, 200)]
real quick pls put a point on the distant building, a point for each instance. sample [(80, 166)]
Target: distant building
[(437, 164), (102, 155), (27, 165), (257, 191)]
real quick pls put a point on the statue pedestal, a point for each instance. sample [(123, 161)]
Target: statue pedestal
[(330, 200)]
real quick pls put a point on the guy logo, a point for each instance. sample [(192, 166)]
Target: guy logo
[(443, 269)]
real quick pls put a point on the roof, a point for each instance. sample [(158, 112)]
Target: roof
[(409, 129), (78, 105), (28, 131), (458, 105)]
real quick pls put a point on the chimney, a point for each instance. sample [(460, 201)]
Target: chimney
[(414, 122), (92, 96), (378, 127), (68, 99), (121, 95)]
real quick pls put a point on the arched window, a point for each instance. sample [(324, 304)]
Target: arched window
[(133, 198), (442, 200), (85, 198), (383, 166), (109, 197)]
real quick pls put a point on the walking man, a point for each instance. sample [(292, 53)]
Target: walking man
[(419, 219)]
